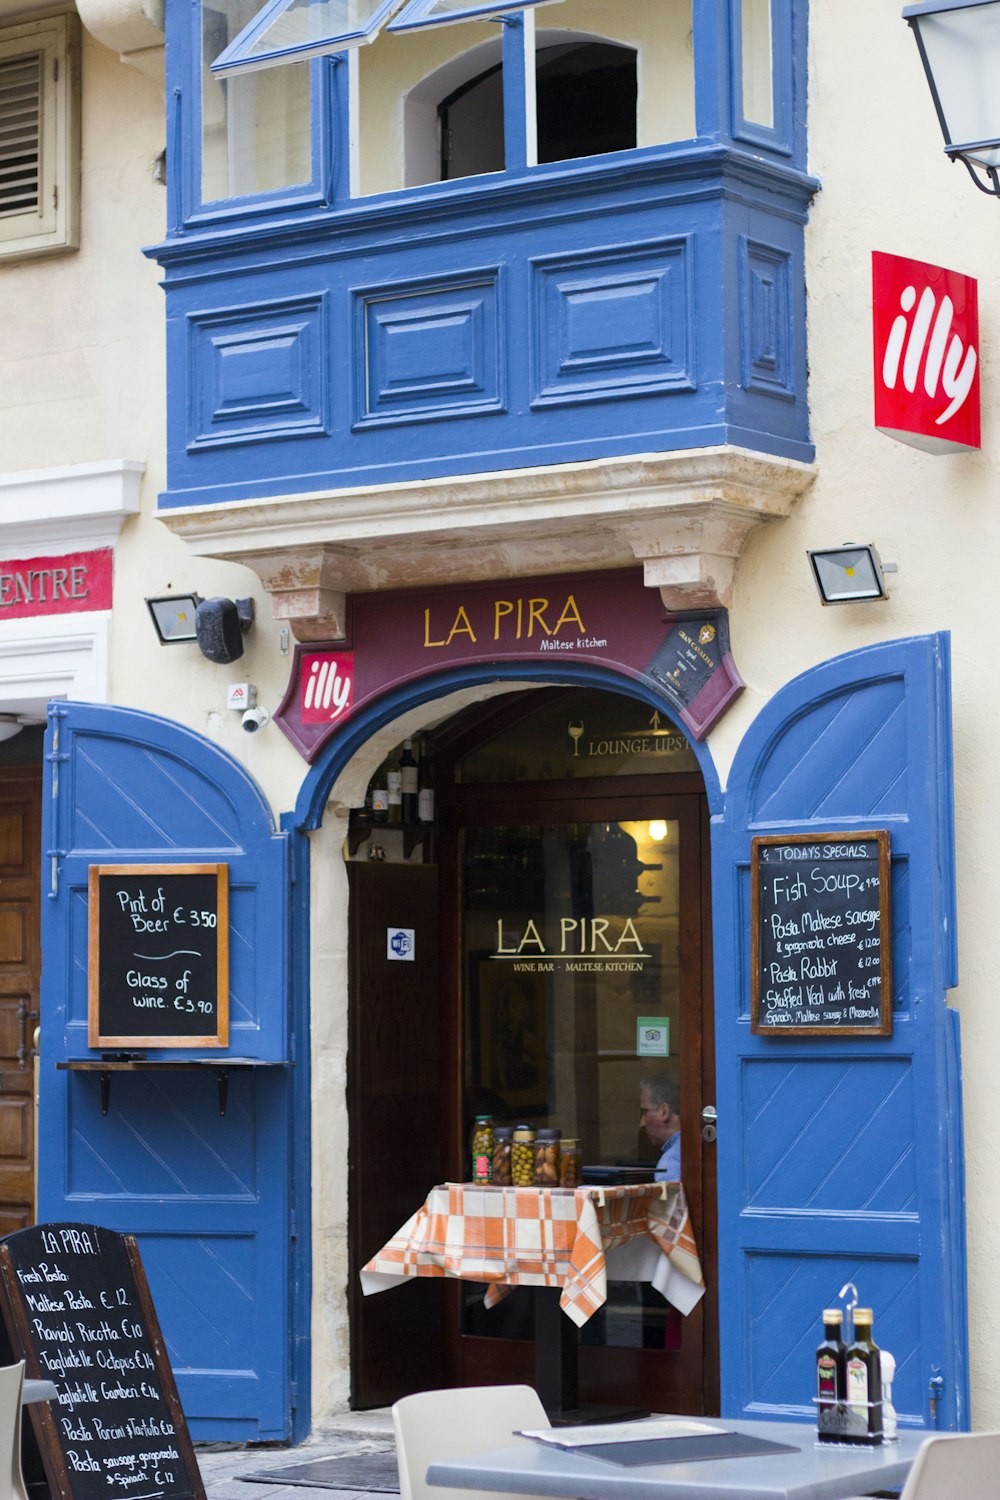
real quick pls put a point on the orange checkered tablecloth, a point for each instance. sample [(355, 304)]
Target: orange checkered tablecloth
[(574, 1238)]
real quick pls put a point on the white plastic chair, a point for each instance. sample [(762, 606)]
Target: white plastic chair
[(435, 1426), (12, 1486), (955, 1466)]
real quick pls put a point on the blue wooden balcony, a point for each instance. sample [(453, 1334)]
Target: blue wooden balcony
[(643, 301)]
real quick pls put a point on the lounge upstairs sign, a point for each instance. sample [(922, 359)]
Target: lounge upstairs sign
[(926, 347)]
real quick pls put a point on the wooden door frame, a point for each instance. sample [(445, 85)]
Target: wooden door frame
[(551, 802)]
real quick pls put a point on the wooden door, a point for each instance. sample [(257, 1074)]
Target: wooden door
[(570, 867), (396, 1060), (20, 971)]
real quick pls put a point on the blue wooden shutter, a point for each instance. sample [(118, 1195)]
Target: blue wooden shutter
[(208, 1196), (842, 1160)]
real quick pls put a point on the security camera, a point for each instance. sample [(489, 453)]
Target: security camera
[(254, 719)]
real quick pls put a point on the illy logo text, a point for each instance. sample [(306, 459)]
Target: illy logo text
[(949, 364), (925, 328), (327, 683)]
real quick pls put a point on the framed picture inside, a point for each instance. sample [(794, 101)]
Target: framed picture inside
[(509, 1033)]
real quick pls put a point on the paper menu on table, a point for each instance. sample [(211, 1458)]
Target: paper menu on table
[(600, 1434)]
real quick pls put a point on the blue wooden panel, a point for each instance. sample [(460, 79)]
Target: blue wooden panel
[(781, 1365), (613, 324), (258, 373), (433, 351), (179, 1144), (768, 334), (860, 1158), (843, 756), (849, 1149), (209, 1196), (529, 315)]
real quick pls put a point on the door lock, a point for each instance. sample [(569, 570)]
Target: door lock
[(708, 1122)]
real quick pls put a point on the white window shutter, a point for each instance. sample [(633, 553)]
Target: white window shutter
[(20, 133), (39, 137)]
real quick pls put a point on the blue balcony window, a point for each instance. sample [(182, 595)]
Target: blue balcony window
[(284, 31), (256, 131)]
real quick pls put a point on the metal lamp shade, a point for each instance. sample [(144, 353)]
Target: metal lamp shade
[(959, 43)]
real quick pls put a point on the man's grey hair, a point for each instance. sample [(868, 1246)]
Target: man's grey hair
[(663, 1089)]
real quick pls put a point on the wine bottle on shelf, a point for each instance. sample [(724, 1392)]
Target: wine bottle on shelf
[(394, 778), (831, 1376), (380, 795), (425, 796), (864, 1381), (408, 783)]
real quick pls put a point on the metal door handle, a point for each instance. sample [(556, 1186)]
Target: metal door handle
[(708, 1123)]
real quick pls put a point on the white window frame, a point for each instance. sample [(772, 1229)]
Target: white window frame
[(391, 15), (55, 224)]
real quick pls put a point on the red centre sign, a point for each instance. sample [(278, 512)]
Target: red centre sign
[(926, 330), (69, 584)]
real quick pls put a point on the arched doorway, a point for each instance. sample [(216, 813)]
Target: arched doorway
[(562, 916)]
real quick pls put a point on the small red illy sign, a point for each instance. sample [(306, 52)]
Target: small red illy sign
[(327, 686), (926, 332)]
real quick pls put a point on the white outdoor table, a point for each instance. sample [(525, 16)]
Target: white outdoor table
[(38, 1390), (817, 1472)]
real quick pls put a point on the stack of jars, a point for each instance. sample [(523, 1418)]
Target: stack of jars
[(520, 1156)]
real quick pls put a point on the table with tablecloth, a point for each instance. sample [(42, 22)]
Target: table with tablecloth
[(575, 1239)]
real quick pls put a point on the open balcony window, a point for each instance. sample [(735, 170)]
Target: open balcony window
[(444, 107), (295, 30), (255, 130)]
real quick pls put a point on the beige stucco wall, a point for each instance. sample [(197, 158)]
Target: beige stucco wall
[(81, 378)]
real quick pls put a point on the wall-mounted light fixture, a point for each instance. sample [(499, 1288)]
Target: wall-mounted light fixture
[(218, 625), (959, 44), (173, 615), (849, 574)]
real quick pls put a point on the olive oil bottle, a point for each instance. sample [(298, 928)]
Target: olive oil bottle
[(864, 1381), (831, 1376)]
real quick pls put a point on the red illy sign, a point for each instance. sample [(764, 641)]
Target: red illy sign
[(926, 329)]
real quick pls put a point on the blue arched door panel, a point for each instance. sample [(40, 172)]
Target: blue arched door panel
[(842, 1160), (207, 1195)]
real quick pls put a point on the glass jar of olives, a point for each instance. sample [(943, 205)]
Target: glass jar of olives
[(547, 1158), (482, 1149), (570, 1164), (522, 1156), (501, 1155)]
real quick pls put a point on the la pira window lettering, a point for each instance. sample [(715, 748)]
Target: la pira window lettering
[(820, 934)]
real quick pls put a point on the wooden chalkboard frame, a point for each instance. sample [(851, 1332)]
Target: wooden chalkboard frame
[(43, 1418), (879, 836), (96, 1034)]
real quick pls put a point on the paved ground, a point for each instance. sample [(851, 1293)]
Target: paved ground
[(222, 1464)]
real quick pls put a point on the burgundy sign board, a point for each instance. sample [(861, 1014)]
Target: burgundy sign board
[(606, 619), (926, 345)]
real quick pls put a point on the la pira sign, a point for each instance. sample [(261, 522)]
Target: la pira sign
[(821, 955), (158, 956), (76, 1308)]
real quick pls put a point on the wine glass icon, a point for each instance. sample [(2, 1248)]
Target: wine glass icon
[(575, 732)]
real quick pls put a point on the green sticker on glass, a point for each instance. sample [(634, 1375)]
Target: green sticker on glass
[(652, 1036)]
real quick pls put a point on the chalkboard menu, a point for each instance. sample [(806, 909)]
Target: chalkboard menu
[(821, 950), (76, 1308), (158, 956)]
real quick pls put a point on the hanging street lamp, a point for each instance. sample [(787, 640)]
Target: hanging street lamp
[(959, 42)]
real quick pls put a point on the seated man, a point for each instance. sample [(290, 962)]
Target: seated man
[(659, 1104)]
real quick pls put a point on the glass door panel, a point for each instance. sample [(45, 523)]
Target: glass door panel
[(574, 977)]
